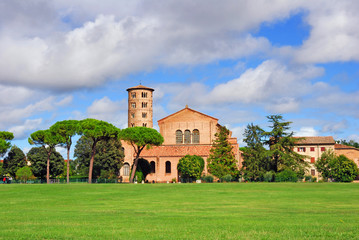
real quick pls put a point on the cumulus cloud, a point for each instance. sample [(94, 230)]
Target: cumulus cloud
[(22, 131), (306, 132), (105, 109)]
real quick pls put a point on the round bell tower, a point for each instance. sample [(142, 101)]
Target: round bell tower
[(140, 111)]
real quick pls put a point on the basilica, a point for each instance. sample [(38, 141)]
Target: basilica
[(185, 132)]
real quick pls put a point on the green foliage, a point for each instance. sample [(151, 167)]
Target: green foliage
[(14, 160), (281, 144), (351, 143), (139, 138), (24, 173), (286, 175), (308, 178), (343, 169), (269, 176), (191, 166), (38, 159), (255, 160), (208, 179), (108, 157), (221, 160), (338, 168), (227, 178), (1, 170), (5, 137)]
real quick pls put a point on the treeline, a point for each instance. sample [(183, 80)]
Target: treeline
[(269, 156), (98, 152)]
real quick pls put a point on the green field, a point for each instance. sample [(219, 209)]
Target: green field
[(180, 211)]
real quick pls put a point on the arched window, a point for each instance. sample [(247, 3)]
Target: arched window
[(153, 167), (187, 136), (168, 167), (126, 169), (195, 136), (179, 137)]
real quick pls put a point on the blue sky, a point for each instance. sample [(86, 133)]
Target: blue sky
[(238, 61)]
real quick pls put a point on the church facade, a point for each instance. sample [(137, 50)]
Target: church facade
[(185, 132)]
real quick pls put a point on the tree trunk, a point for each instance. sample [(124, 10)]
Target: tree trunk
[(135, 162), (48, 167), (68, 166), (91, 161)]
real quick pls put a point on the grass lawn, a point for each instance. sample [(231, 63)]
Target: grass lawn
[(180, 211)]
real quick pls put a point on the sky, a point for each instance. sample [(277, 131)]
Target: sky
[(238, 61)]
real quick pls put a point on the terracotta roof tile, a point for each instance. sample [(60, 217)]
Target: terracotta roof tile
[(342, 146), (177, 150), (140, 87), (316, 140)]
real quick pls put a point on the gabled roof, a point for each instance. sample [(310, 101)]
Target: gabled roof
[(315, 140), (184, 110), (140, 87), (342, 146)]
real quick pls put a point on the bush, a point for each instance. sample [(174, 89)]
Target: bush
[(208, 179), (24, 173), (308, 178), (268, 177), (314, 179), (227, 178), (286, 175)]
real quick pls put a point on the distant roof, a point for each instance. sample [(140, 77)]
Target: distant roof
[(140, 87), (342, 146), (316, 140), (177, 150), (187, 109)]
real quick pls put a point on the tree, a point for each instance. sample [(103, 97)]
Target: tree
[(221, 160), (351, 143), (14, 160), (96, 130), (139, 138), (48, 140), (255, 157), (24, 173), (281, 144), (191, 166), (66, 129), (339, 168), (108, 157), (38, 157), (5, 137)]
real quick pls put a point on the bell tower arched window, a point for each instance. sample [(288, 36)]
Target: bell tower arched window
[(168, 167)]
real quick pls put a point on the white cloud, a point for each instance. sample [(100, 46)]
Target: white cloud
[(335, 127), (22, 131), (306, 132), (105, 109)]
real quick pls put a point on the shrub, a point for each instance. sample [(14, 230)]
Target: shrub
[(24, 173), (286, 175), (314, 179), (308, 178), (174, 180), (268, 177), (227, 178), (208, 178)]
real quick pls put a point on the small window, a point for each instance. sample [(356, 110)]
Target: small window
[(144, 124), (132, 115), (133, 105), (312, 172), (132, 124), (312, 160), (179, 137), (144, 105), (312, 149), (144, 95), (322, 149), (195, 136), (153, 167), (301, 149), (168, 167), (187, 136), (126, 169), (144, 115), (133, 95)]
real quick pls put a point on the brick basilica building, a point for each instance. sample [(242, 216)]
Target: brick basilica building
[(185, 132)]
